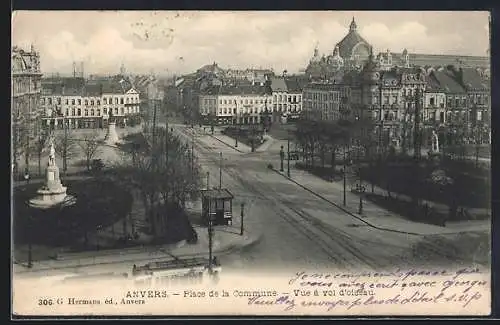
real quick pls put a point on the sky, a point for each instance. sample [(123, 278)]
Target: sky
[(167, 42)]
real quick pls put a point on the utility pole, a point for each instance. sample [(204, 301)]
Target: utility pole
[(210, 234), (344, 175), (242, 215), (192, 155), (416, 131), (282, 158), (288, 163), (30, 259), (237, 122), (220, 171)]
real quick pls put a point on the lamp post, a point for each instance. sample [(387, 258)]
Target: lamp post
[(242, 215), (220, 171), (288, 157), (344, 176), (30, 258), (282, 158), (237, 122), (210, 235)]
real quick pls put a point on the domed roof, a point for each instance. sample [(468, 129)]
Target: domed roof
[(347, 44)]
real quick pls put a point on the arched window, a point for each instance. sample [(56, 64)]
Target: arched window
[(105, 111), (92, 102), (86, 112), (86, 102), (104, 100), (92, 112), (98, 112)]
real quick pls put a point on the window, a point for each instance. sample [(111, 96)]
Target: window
[(79, 102), (121, 100), (59, 100), (86, 102), (92, 112), (67, 112), (116, 100), (105, 111), (441, 117), (98, 102), (105, 100), (122, 110), (92, 102), (50, 101), (432, 101), (116, 110), (79, 112), (72, 112), (86, 112), (128, 100), (98, 112), (72, 102)]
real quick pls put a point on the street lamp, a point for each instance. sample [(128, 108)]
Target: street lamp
[(282, 157), (288, 154), (344, 171), (242, 215)]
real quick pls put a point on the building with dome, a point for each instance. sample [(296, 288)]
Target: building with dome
[(352, 53), (25, 92)]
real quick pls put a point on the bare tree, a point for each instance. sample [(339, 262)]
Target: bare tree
[(65, 146), (18, 134), (90, 144), (40, 144), (164, 173)]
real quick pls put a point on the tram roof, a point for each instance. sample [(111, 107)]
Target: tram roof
[(219, 193)]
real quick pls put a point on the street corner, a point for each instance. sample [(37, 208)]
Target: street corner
[(233, 241)]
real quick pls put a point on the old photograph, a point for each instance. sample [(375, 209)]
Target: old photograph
[(250, 163)]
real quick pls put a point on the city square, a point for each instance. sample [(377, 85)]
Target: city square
[(361, 158)]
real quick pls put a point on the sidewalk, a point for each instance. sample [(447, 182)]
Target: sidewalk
[(373, 215), (224, 241)]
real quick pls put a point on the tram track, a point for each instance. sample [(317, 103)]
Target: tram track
[(333, 243)]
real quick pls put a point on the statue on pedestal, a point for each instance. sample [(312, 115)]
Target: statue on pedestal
[(52, 154), (435, 142)]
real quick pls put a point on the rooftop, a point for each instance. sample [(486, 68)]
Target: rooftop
[(215, 194)]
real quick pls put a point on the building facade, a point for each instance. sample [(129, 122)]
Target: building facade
[(322, 101), (236, 104), (25, 104), (82, 104)]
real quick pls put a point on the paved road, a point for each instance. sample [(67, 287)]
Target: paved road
[(287, 217)]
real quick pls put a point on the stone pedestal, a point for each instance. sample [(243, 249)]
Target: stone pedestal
[(52, 192), (111, 136)]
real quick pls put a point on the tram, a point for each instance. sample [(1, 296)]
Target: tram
[(177, 272)]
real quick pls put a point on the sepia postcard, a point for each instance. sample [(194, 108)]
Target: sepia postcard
[(285, 163)]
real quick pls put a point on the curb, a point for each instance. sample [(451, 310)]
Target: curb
[(347, 211), (221, 251), (230, 146)]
